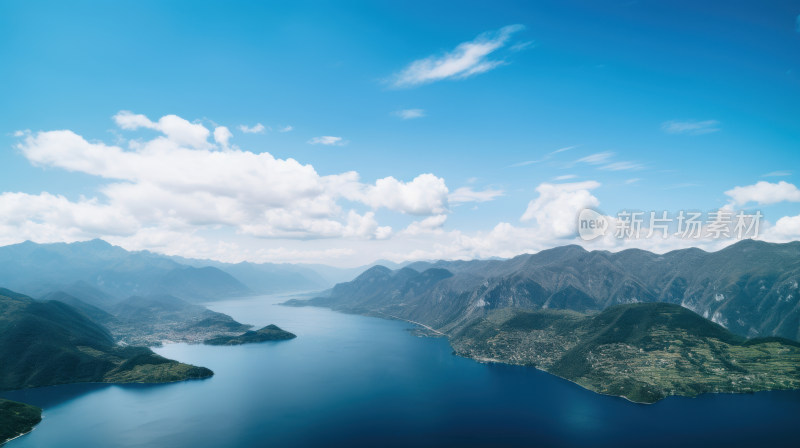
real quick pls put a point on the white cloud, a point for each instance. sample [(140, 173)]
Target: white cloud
[(556, 209), (467, 59), (547, 156), (467, 194), (690, 127), (564, 149), (522, 46), (431, 224), (763, 193), (785, 229), (596, 159), (632, 181), (622, 166), (179, 183), (222, 135), (53, 218), (566, 177), (258, 128), (286, 129), (777, 174), (426, 194), (327, 140), (176, 129), (409, 114)]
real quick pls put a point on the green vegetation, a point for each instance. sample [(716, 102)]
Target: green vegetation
[(643, 352), (47, 343), (17, 419), (268, 333)]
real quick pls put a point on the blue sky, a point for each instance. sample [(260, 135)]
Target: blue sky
[(663, 106)]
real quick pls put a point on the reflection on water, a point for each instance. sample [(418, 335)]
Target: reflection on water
[(355, 380)]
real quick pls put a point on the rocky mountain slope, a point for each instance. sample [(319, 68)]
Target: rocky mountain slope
[(751, 287)]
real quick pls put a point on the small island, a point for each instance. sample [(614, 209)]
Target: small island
[(17, 419), (268, 333)]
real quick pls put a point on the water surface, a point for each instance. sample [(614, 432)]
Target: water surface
[(357, 380)]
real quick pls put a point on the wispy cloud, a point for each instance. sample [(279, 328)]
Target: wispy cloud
[(777, 174), (690, 127), (467, 59), (632, 181), (467, 194), (409, 114), (622, 166), (564, 149), (525, 163), (285, 129), (547, 156), (327, 140), (566, 177), (257, 129), (522, 46), (603, 161), (596, 158)]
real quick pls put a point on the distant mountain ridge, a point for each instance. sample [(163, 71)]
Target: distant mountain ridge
[(99, 273), (37, 269), (750, 287)]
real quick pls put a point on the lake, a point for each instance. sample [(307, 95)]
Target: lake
[(354, 380)]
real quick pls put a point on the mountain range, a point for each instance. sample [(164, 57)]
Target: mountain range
[(750, 288), (632, 323), (99, 273)]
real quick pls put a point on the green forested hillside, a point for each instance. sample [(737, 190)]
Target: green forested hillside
[(643, 352), (46, 343), (17, 418)]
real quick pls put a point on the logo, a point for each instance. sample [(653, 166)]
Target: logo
[(591, 224)]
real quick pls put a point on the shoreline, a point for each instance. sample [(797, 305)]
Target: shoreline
[(23, 434), (495, 361)]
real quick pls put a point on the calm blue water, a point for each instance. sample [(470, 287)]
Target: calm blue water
[(353, 380)]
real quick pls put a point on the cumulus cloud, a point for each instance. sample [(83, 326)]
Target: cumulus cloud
[(431, 224), (175, 128), (690, 127), (327, 140), (258, 128), (181, 182), (53, 218), (785, 229), (467, 194), (764, 193), (426, 194), (556, 209), (409, 114), (467, 59), (222, 135)]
